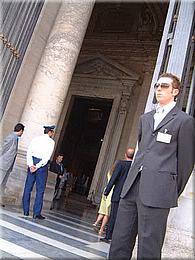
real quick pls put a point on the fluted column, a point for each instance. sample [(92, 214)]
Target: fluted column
[(50, 86)]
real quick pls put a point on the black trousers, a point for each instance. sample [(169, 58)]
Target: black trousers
[(134, 218), (112, 219), (57, 183)]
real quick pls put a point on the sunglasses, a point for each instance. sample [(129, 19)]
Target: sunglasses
[(162, 85)]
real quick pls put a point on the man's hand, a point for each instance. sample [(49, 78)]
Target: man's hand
[(33, 168)]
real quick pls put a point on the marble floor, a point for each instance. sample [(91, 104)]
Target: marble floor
[(62, 235), (68, 234)]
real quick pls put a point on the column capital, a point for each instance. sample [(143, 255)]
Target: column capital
[(124, 103)]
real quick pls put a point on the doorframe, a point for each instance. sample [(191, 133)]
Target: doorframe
[(98, 176)]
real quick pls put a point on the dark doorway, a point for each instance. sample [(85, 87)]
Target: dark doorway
[(83, 137)]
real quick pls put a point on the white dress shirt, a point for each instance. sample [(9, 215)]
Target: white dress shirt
[(161, 112), (41, 147)]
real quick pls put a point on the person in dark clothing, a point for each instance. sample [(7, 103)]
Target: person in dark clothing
[(117, 180), (57, 167), (58, 192)]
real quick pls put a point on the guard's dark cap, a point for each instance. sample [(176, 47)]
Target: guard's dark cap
[(49, 127)]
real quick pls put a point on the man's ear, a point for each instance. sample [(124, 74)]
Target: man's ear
[(175, 92)]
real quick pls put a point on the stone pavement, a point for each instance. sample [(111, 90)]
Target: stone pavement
[(63, 235), (59, 236)]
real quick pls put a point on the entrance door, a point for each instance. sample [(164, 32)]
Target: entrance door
[(83, 138)]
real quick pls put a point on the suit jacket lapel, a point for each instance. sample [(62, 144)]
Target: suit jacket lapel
[(168, 118)]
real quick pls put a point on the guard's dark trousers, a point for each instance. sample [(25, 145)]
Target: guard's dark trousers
[(40, 177)]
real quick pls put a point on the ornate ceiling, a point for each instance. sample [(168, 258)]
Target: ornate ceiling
[(128, 17)]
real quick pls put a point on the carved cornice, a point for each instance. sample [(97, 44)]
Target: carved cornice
[(104, 68), (101, 73)]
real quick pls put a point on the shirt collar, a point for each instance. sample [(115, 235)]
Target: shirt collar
[(167, 107), (46, 135), (16, 135)]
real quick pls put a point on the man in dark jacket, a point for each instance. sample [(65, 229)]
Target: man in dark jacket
[(57, 167), (117, 180), (158, 175)]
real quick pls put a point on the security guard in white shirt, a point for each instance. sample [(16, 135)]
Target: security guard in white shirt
[(38, 154)]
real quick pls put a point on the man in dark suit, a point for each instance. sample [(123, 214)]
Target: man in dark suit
[(158, 175), (117, 180), (57, 167)]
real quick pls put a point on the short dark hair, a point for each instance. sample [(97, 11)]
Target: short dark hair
[(18, 127), (59, 154)]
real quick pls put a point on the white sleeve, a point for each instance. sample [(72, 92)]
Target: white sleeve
[(47, 155)]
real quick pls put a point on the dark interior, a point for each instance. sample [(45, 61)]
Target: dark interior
[(83, 138)]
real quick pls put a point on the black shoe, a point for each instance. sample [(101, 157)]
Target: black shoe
[(38, 217), (103, 239), (26, 214)]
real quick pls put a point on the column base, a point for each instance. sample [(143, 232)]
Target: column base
[(179, 237)]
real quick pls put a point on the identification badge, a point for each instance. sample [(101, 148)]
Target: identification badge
[(163, 138)]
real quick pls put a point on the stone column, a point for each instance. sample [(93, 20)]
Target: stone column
[(50, 86)]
